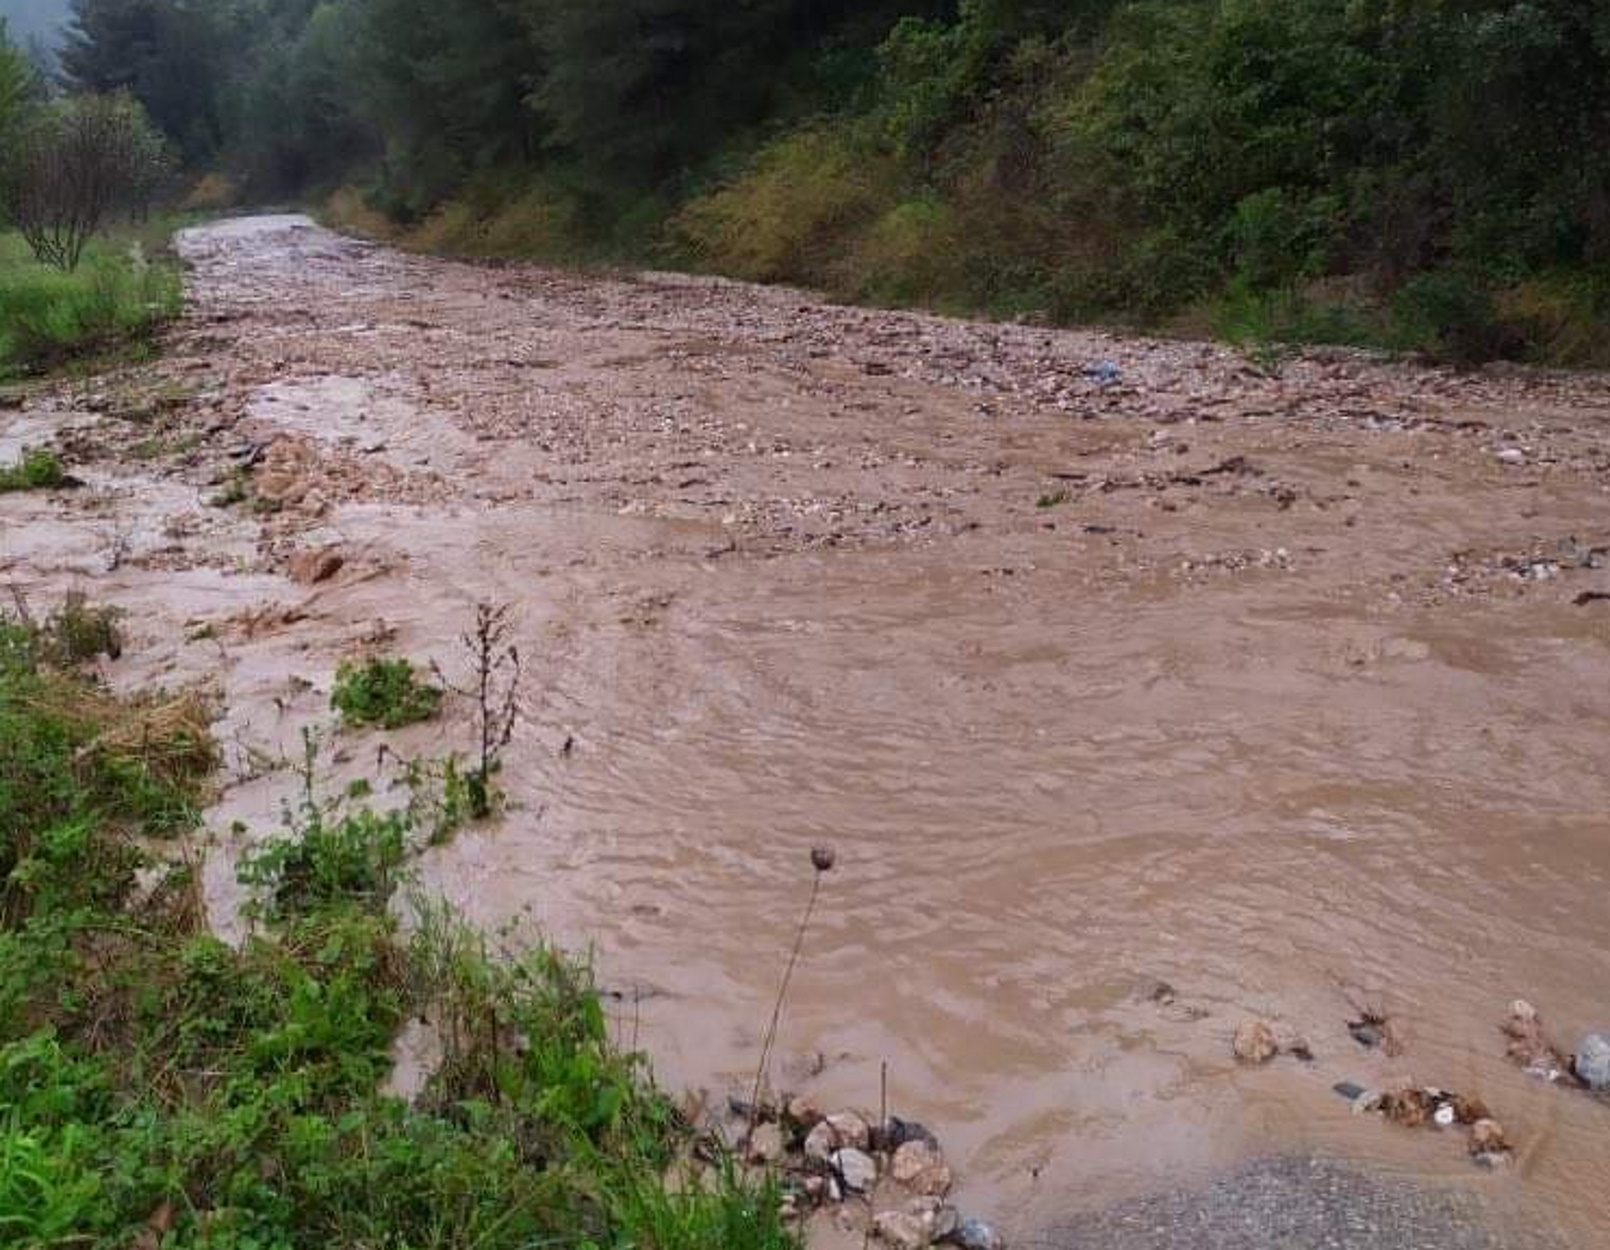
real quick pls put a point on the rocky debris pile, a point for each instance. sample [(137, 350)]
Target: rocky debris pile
[(1530, 1047), (1426, 1106), (1259, 1041), (1404, 1103), (1374, 1030), (893, 1171), (1474, 572)]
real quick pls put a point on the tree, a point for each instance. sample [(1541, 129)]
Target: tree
[(17, 86), (85, 160), (176, 57)]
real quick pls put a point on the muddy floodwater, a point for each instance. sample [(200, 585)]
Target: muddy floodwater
[(1101, 662)]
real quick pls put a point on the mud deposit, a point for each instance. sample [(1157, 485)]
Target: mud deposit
[(1273, 686)]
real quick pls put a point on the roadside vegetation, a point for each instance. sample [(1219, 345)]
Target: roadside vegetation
[(78, 175), (158, 1086), (116, 298), (35, 469), (383, 692), (1425, 177)]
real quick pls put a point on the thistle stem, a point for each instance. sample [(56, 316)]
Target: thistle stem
[(782, 994)]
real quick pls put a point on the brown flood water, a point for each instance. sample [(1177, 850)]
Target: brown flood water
[(1273, 688)]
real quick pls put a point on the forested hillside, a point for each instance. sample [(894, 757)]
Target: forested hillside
[(1421, 173)]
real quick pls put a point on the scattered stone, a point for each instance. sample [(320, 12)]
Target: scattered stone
[(1409, 1107), (1530, 1047), (857, 1169), (803, 1113), (1488, 1145), (1413, 1107), (1512, 455), (821, 1142), (1255, 1042), (901, 1229), (922, 1169), (1592, 1062), (310, 567), (1375, 1031), (978, 1235), (946, 1221), (852, 1130), (765, 1145), (895, 1133)]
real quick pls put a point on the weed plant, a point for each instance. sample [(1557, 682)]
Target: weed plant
[(383, 692), (161, 1087)]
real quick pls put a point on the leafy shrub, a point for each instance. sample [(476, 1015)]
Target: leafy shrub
[(536, 223), (383, 692), (73, 633), (1564, 318), (909, 255), (38, 469), (784, 217), (1451, 315), (330, 859)]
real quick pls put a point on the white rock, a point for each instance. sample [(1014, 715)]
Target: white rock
[(821, 1142), (858, 1169)]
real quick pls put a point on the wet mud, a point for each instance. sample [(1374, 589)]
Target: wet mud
[(1101, 661)]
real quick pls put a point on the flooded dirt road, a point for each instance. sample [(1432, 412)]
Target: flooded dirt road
[(1102, 662)]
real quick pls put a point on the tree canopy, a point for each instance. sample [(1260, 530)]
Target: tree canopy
[(1076, 157)]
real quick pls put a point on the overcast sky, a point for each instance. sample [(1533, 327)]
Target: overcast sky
[(27, 18)]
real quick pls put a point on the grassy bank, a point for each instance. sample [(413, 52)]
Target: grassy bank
[(833, 213), (159, 1087), (127, 286), (1423, 178)]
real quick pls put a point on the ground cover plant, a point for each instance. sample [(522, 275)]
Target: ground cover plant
[(115, 298), (383, 692), (36, 469), (161, 1087)]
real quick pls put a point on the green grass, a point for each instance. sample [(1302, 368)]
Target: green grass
[(116, 298), (383, 692), (158, 1086), (37, 469)]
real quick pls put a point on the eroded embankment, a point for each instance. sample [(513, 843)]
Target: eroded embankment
[(1101, 662)]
